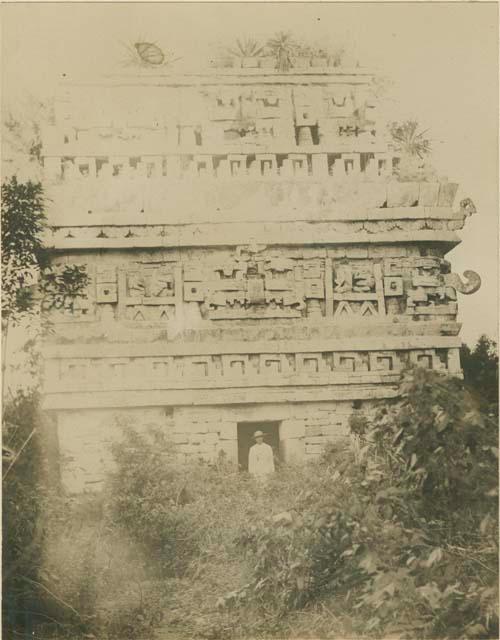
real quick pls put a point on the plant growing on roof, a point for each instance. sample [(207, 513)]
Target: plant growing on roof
[(408, 141), (246, 48), (283, 47)]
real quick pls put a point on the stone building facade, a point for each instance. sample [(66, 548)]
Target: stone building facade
[(254, 261)]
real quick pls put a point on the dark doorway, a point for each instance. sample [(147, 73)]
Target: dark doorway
[(245, 439)]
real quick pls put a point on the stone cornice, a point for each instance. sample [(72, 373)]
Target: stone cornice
[(371, 343), (199, 397), (222, 76), (270, 233)]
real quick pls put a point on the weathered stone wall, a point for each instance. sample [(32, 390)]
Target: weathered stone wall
[(85, 436), (85, 439), (254, 256), (192, 288)]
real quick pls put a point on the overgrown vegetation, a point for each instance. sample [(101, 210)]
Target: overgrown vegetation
[(396, 535), (286, 50), (408, 140), (480, 366), (22, 511), (30, 286), (407, 537), (414, 150)]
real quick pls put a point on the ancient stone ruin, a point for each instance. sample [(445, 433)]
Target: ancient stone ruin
[(256, 260)]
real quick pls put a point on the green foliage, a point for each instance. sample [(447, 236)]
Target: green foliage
[(25, 258), (148, 494), (440, 445), (298, 556), (406, 537), (370, 540), (23, 222), (441, 456), (480, 366), (23, 496), (62, 285)]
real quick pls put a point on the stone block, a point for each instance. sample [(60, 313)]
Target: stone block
[(214, 427), (447, 192), (335, 431), (337, 252), (180, 438), (211, 438), (314, 449), (227, 430), (402, 194), (316, 420), (185, 448), (313, 430), (356, 252), (183, 426), (230, 448), (387, 252), (314, 440), (292, 429), (292, 449), (428, 196), (200, 427)]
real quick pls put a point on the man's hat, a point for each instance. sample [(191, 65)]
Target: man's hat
[(258, 434)]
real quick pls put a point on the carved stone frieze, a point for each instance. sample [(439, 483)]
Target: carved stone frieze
[(472, 284), (240, 369), (255, 285), (253, 282)]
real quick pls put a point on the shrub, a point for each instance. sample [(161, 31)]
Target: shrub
[(205, 552), (435, 441), (147, 492), (23, 496), (441, 454), (296, 557), (480, 366), (406, 533)]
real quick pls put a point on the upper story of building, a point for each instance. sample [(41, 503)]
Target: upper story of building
[(229, 145), (220, 123), (245, 206)]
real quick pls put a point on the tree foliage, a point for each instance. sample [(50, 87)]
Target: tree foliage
[(149, 493), (22, 499), (31, 285), (406, 537), (26, 261), (23, 253), (480, 366)]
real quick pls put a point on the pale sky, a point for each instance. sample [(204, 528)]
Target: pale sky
[(442, 59)]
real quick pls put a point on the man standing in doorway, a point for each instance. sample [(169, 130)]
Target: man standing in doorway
[(260, 458)]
